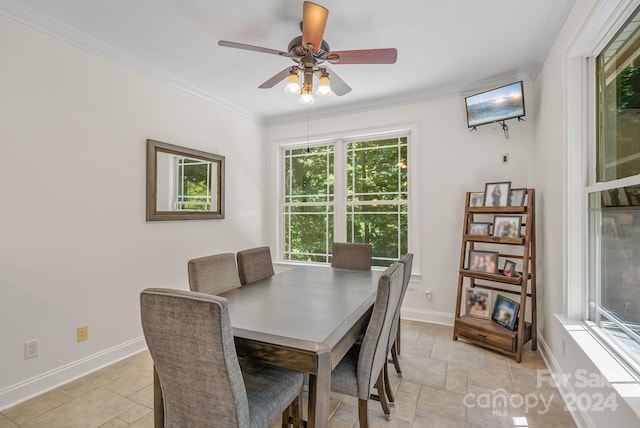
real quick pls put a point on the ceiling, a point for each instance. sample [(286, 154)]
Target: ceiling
[(445, 48)]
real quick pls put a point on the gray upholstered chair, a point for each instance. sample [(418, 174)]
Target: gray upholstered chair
[(362, 366), (203, 382), (347, 255), (394, 333), (254, 264), (213, 274)]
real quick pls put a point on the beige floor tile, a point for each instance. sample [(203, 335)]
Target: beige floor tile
[(115, 423), (456, 380), (35, 407), (144, 396), (409, 387), (135, 414), (132, 383), (444, 403), (424, 419), (146, 422), (93, 409), (423, 370), (6, 423), (405, 406)]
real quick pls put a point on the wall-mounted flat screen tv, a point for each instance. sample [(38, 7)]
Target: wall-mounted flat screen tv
[(496, 105)]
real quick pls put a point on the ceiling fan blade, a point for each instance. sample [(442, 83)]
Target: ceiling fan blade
[(275, 79), (364, 56), (236, 45), (338, 86), (314, 19)]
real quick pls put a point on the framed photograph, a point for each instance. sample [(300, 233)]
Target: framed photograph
[(479, 229), (505, 312), (478, 303), (507, 226), (476, 199), (509, 268), (483, 261), (497, 194), (517, 197)]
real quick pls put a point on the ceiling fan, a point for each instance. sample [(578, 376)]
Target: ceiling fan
[(309, 51)]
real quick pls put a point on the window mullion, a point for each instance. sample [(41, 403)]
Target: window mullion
[(340, 190)]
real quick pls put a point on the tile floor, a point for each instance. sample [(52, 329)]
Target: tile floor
[(445, 384)]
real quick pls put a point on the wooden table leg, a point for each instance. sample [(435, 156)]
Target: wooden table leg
[(158, 404), (319, 392)]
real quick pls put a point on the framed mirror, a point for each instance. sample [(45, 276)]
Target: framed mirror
[(183, 184)]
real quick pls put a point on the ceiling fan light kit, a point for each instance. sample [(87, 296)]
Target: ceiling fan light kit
[(310, 51)]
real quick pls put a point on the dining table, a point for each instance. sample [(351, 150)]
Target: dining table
[(306, 319)]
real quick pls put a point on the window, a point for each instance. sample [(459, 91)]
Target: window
[(348, 191), (614, 195), (194, 184)]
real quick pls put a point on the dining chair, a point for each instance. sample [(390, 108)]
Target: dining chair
[(203, 382), (213, 274), (254, 264), (394, 334), (348, 255), (362, 367)]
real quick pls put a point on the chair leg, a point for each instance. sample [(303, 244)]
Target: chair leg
[(363, 413), (394, 358), (383, 397), (398, 337), (292, 415), (387, 386)]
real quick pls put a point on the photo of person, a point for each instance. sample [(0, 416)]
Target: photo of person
[(509, 268), (497, 194), (506, 226), (479, 229), (478, 302), (476, 199), (483, 261), (505, 312), (517, 197)]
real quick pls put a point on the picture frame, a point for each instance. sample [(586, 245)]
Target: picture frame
[(476, 199), (505, 312), (478, 303), (517, 197), (479, 229), (509, 268), (507, 226), (483, 261), (496, 194)]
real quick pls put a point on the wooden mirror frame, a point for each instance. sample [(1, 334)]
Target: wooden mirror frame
[(153, 214)]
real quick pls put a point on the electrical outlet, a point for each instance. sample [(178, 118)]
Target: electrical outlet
[(31, 348), (83, 333), (427, 294)]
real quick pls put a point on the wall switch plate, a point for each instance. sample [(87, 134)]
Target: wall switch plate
[(505, 158), (31, 349), (83, 333)]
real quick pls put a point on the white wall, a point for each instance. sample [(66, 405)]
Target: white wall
[(448, 161), (74, 245)]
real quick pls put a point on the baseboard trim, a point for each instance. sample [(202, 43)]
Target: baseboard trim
[(22, 391), (581, 419), (444, 318)]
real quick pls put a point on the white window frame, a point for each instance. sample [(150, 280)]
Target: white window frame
[(581, 151), (411, 131)]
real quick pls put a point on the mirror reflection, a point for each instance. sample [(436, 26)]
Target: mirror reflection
[(182, 183)]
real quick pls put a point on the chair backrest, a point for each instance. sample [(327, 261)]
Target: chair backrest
[(213, 274), (348, 255), (407, 261), (254, 264), (190, 340), (373, 351)]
